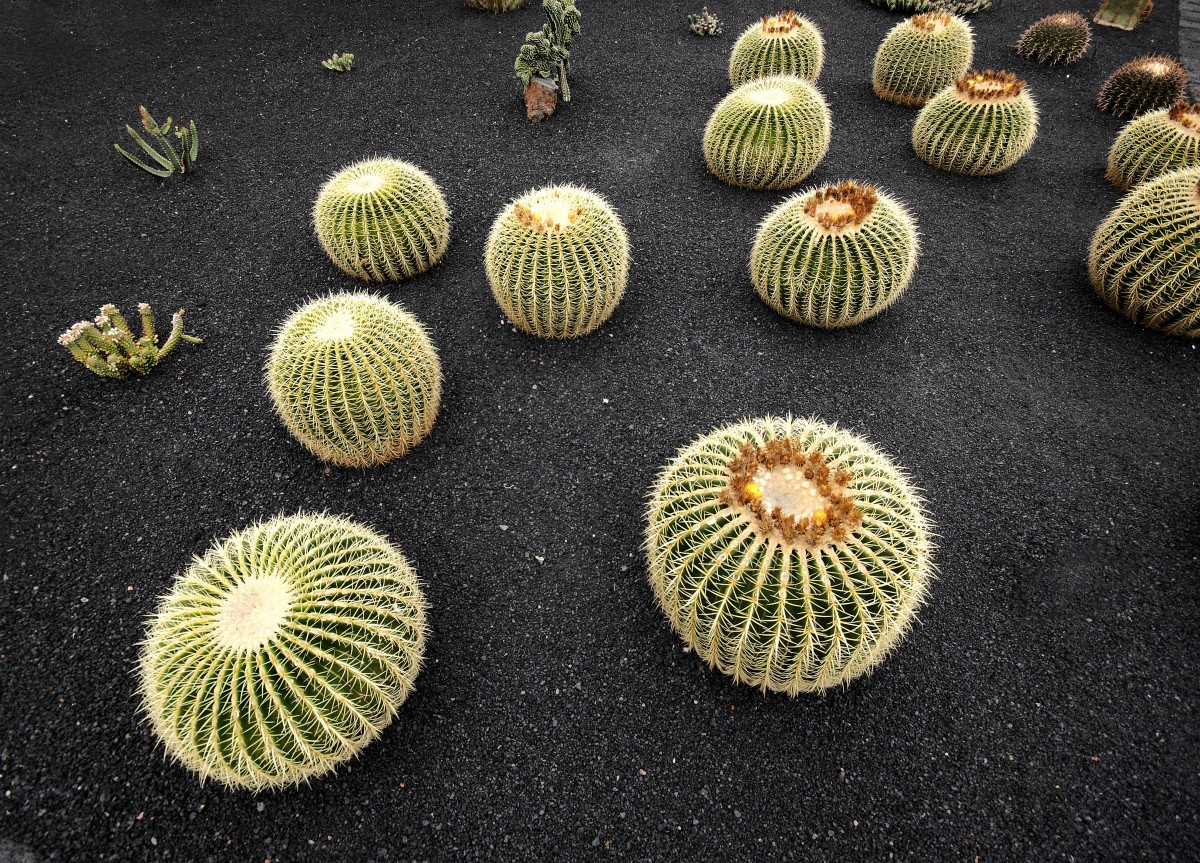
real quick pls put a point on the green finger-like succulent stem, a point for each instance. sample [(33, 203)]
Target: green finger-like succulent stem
[(1059, 38), (1154, 144), (557, 260), (768, 134), (496, 5), (283, 651), (382, 219), (107, 345), (355, 379), (1143, 84), (834, 256), (982, 124), (788, 553), (921, 56), (784, 44), (1144, 260)]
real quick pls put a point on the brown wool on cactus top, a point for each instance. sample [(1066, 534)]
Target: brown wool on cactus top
[(550, 214), (989, 86), (931, 22), (1187, 116), (783, 24), (834, 207), (792, 494)]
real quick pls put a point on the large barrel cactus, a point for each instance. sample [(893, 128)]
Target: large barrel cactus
[(1154, 144), (784, 44), (981, 125), (921, 56), (1143, 84)]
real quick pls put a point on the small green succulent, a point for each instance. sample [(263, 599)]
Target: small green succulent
[(1143, 84), (704, 23), (921, 56), (784, 44), (1059, 38), (496, 5), (1154, 144), (339, 62), (107, 345), (168, 160), (982, 124)]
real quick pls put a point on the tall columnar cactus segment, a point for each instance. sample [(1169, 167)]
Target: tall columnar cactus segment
[(1059, 38), (355, 379), (834, 256), (982, 124), (558, 260), (1143, 84), (1145, 257), (283, 651), (768, 134), (790, 554), (784, 44), (382, 220), (1155, 144), (922, 56)]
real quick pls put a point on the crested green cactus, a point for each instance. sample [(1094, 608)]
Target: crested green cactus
[(1143, 84), (496, 5), (557, 260), (355, 379), (547, 52), (921, 56), (169, 162), (1155, 144), (834, 256), (954, 7), (382, 219), (768, 134), (981, 125), (1145, 257), (784, 44), (107, 346), (788, 553), (283, 651), (1059, 38)]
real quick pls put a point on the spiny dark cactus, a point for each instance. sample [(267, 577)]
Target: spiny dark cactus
[(1143, 84), (1059, 38), (547, 52), (170, 162)]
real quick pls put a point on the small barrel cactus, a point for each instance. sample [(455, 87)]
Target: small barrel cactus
[(355, 379), (1059, 38), (921, 56), (1145, 257), (981, 125), (1155, 144), (382, 219), (834, 256), (789, 553), (768, 134), (1143, 84), (558, 260), (283, 651), (784, 44)]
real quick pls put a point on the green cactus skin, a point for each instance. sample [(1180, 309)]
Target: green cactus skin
[(1059, 38), (496, 5), (1155, 144), (283, 651), (834, 256), (981, 125), (922, 56), (954, 7), (558, 260), (382, 219), (1143, 84), (788, 553), (768, 134), (1145, 257), (784, 44), (355, 379)]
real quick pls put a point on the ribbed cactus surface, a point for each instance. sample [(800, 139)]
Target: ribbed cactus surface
[(834, 256), (1154, 144), (1059, 38), (980, 125), (283, 651), (784, 44), (921, 56), (788, 553), (1143, 84), (355, 378)]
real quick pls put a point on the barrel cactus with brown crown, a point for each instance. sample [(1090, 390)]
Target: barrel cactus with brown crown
[(1143, 84), (921, 56), (783, 44), (980, 125), (1154, 144)]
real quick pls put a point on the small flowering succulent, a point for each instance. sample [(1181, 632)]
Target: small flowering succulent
[(107, 346), (705, 23), (339, 62)]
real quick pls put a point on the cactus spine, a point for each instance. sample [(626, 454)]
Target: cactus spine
[(283, 651), (382, 219), (1155, 144), (784, 44), (790, 554), (981, 125), (921, 56), (355, 379), (1143, 84), (834, 256), (768, 134), (1059, 38), (1145, 257), (557, 260)]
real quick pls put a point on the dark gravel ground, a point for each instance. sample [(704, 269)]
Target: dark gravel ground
[(1045, 707)]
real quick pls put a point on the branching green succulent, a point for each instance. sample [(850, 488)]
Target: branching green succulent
[(954, 7), (283, 651), (921, 56), (705, 23), (496, 5), (834, 256), (1145, 257), (168, 160), (1154, 144), (1123, 14), (980, 125), (788, 553), (768, 134), (1059, 38), (107, 345), (1143, 84), (547, 52), (339, 62), (784, 44)]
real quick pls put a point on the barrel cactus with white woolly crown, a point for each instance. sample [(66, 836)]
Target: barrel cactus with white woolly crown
[(382, 219), (788, 553), (834, 256), (355, 379), (1145, 257), (1143, 84), (1155, 144), (768, 134), (783, 44), (921, 56), (980, 125), (557, 260), (283, 651)]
